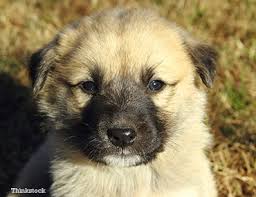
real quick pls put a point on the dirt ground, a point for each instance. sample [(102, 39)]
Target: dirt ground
[(229, 25)]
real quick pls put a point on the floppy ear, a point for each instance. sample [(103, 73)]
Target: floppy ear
[(42, 61), (40, 64), (203, 56)]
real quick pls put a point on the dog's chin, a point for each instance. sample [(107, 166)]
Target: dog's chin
[(123, 160), (128, 160)]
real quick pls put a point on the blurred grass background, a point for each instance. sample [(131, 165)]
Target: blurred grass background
[(229, 25)]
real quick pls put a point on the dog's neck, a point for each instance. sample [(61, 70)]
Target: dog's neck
[(98, 180)]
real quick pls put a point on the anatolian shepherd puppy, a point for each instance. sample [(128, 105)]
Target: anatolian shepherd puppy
[(124, 115)]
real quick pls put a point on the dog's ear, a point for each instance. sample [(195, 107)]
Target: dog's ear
[(42, 61), (203, 56), (40, 64)]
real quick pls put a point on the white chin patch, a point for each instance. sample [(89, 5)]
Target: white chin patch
[(122, 161)]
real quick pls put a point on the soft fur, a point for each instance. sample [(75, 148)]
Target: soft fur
[(122, 43)]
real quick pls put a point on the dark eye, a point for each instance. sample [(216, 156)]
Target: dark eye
[(156, 85), (89, 87)]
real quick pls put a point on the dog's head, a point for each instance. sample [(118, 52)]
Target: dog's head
[(115, 85)]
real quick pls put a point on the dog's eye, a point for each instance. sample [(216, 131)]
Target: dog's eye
[(156, 85), (89, 87)]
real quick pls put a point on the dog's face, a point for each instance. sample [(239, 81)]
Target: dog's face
[(114, 85)]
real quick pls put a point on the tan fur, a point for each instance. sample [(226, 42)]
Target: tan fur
[(122, 43)]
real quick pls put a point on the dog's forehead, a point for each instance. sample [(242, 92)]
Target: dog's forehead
[(130, 47)]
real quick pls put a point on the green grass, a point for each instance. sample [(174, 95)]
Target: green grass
[(237, 97)]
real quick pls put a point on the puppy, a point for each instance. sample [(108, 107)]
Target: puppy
[(124, 114)]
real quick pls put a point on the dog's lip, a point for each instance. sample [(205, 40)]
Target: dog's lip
[(124, 155), (123, 160), (123, 152)]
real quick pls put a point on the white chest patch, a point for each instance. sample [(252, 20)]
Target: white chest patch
[(184, 192)]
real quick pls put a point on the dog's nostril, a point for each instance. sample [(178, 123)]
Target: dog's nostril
[(121, 137)]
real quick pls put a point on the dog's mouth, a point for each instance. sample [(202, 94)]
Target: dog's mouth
[(105, 153), (99, 147), (123, 160), (137, 154), (128, 157)]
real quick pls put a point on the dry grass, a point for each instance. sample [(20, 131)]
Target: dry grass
[(229, 25)]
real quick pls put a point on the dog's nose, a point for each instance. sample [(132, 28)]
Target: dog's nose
[(121, 137)]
